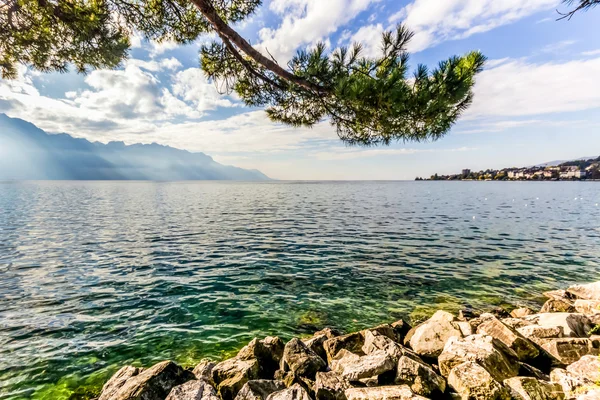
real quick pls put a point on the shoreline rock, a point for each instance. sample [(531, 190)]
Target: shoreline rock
[(527, 355)]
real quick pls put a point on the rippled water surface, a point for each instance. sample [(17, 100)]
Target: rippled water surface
[(96, 275)]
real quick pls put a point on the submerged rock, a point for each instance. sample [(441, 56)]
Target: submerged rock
[(301, 360), (472, 382), (330, 386), (383, 393), (420, 377), (154, 383), (259, 389), (493, 355), (429, 338), (518, 343), (193, 390), (522, 388)]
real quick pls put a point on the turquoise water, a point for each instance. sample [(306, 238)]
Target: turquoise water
[(94, 275)]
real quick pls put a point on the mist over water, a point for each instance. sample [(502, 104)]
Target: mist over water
[(95, 275)]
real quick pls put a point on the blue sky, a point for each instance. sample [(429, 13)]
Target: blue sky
[(538, 99)]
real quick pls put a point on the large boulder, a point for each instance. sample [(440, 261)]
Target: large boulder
[(571, 384), (521, 312), (154, 383), (429, 338), (588, 307), (268, 352), (590, 291), (420, 377), (204, 370), (330, 386), (374, 364), (193, 390), (556, 305), (587, 367), (493, 355), (259, 389), (352, 342), (114, 384), (316, 344), (522, 346), (301, 360), (536, 332), (522, 388), (231, 375), (569, 350), (383, 393), (374, 341), (574, 325), (472, 382), (343, 359), (294, 392)]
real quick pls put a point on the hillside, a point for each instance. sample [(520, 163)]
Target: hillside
[(27, 152)]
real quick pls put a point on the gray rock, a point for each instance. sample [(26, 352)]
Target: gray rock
[(193, 390), (114, 384), (204, 370), (518, 343), (587, 367), (472, 382), (574, 325), (556, 305), (536, 332), (154, 383), (343, 359), (382, 393), (267, 351), (374, 341), (515, 323), (259, 389), (429, 338), (330, 386), (590, 291), (401, 328), (568, 350), (231, 375), (301, 360), (352, 342), (373, 364), (588, 307), (522, 388), (571, 384), (521, 312), (316, 343), (386, 330), (420, 377), (294, 392), (493, 355)]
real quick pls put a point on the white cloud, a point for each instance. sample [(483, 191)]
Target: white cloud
[(191, 85), (157, 48), (558, 47), (434, 21), (519, 88), (172, 64), (370, 37), (306, 21), (591, 53)]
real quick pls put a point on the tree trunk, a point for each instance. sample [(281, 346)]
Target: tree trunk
[(224, 29)]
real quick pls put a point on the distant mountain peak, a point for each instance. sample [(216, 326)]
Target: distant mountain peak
[(30, 153)]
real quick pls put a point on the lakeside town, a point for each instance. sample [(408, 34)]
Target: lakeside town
[(588, 169)]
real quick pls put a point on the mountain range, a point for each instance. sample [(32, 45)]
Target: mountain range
[(27, 152)]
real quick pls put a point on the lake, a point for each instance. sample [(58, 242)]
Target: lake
[(95, 275)]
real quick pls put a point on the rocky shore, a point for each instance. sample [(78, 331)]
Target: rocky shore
[(552, 354)]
